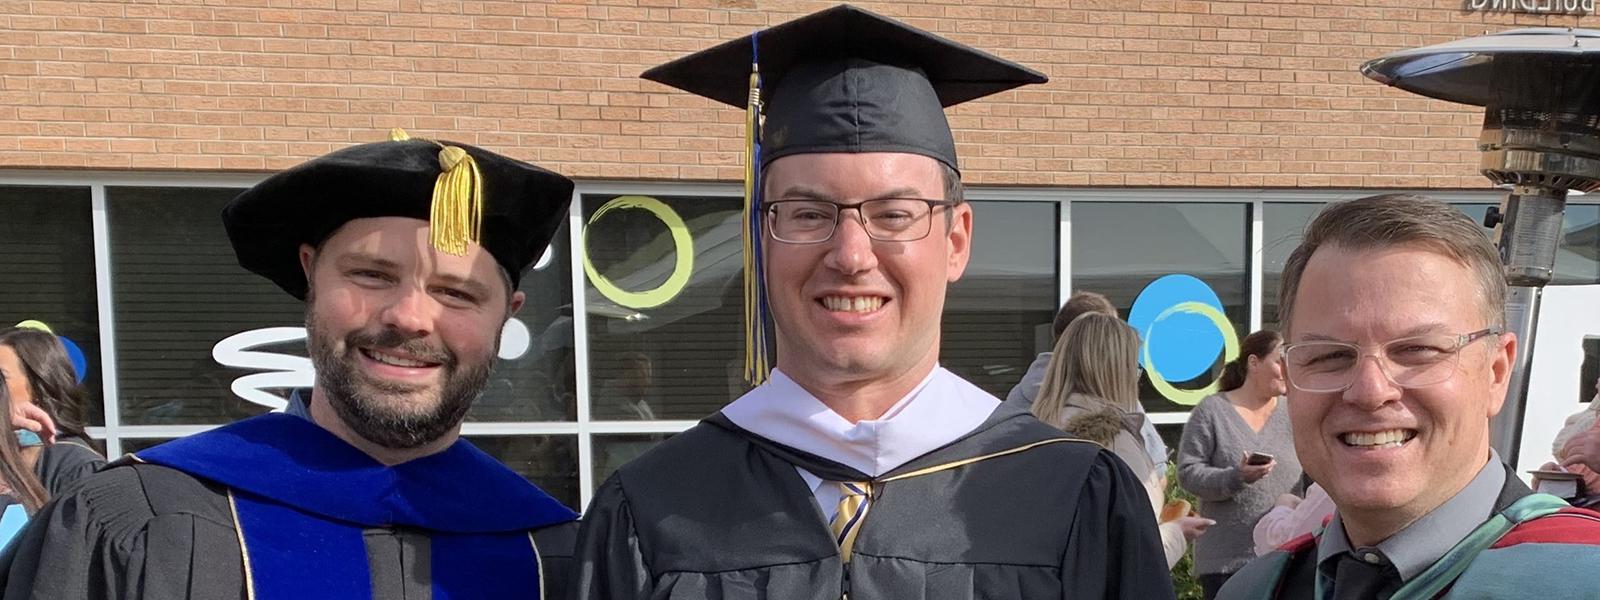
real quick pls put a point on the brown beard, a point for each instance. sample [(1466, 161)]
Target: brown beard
[(355, 398)]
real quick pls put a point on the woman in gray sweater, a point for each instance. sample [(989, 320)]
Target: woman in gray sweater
[(1214, 464)]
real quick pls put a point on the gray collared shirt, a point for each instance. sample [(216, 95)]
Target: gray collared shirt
[(1415, 548), (299, 405)]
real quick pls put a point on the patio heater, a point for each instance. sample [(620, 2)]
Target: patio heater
[(1540, 89)]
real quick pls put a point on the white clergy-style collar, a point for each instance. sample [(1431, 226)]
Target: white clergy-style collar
[(939, 410)]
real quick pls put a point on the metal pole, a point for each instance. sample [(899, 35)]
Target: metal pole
[(1522, 315), (1528, 238)]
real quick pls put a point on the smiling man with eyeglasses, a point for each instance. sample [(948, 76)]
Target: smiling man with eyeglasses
[(862, 468), (1396, 359)]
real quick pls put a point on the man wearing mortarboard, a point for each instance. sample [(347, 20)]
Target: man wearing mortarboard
[(408, 254), (862, 468)]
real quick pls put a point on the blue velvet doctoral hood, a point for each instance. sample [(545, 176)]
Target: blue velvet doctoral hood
[(294, 462)]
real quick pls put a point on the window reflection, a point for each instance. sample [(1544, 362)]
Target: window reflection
[(1282, 225), (179, 291), (664, 289), (47, 240), (611, 451), (549, 461), (994, 316)]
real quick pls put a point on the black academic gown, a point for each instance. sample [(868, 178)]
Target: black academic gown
[(144, 531), (717, 512), (65, 462)]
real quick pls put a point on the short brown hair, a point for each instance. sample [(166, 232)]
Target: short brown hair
[(1079, 304), (1394, 220)]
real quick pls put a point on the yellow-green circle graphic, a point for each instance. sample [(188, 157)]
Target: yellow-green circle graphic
[(682, 246), (1230, 340)]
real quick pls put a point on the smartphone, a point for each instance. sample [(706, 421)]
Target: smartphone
[(1560, 484), (1258, 458)]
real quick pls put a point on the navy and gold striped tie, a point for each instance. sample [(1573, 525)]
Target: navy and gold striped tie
[(854, 500)]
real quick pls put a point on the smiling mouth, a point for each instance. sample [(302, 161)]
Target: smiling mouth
[(1390, 438), (853, 304), (395, 361)]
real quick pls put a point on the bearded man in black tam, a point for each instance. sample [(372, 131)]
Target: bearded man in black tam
[(408, 254)]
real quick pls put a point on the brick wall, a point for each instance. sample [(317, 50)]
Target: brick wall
[(1143, 92)]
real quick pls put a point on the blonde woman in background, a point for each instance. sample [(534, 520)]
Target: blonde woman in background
[(1091, 390)]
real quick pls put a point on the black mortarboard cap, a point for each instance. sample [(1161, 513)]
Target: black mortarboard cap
[(519, 206), (848, 80)]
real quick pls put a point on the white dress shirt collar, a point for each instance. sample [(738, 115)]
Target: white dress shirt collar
[(939, 410)]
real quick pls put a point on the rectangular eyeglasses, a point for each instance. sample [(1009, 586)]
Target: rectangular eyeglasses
[(1412, 362)]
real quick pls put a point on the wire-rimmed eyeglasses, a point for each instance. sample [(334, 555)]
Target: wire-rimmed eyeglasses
[(884, 219), (1411, 362)]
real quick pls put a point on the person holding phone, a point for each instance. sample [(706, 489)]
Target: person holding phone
[(1237, 456)]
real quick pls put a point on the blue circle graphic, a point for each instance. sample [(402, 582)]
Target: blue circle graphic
[(1182, 346)]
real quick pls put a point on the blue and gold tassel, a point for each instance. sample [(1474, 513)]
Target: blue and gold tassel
[(757, 364)]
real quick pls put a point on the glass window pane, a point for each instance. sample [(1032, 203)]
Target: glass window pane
[(1282, 225), (1120, 248), (180, 293), (47, 239), (612, 450), (1578, 261), (665, 294), (536, 378), (995, 315), (549, 461)]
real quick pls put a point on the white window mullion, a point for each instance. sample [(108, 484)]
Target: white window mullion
[(1064, 255), (580, 345), (108, 330), (1256, 255)]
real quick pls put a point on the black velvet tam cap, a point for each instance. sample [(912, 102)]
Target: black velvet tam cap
[(521, 205), (847, 80)]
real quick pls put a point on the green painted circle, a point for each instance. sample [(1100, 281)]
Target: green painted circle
[(1230, 341), (682, 245)]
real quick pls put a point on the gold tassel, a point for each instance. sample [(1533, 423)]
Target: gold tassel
[(455, 218), (756, 365)]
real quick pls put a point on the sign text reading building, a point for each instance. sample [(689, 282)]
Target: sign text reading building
[(1539, 7)]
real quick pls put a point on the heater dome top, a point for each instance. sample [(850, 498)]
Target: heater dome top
[(1541, 68)]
